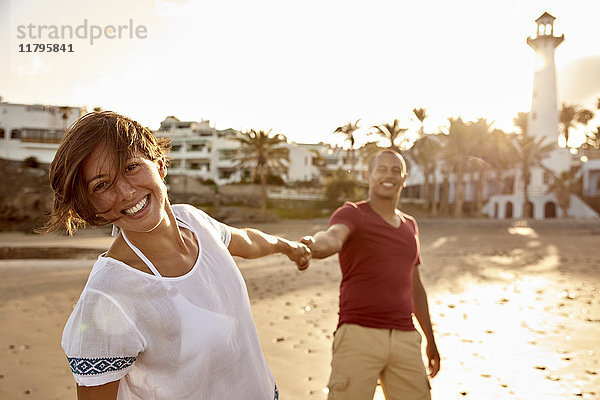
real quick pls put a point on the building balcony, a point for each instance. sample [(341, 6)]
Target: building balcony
[(199, 154)]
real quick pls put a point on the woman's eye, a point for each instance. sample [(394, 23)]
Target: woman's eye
[(99, 186), (131, 167)]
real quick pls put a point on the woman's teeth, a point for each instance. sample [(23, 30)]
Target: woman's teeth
[(137, 207)]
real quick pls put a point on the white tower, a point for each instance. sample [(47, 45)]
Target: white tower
[(543, 118), (542, 123)]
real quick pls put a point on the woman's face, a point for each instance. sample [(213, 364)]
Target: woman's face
[(132, 199)]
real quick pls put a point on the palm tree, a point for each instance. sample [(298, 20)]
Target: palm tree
[(481, 149), (570, 116), (592, 139), (563, 186), (530, 152), (520, 121), (456, 152), (263, 154), (501, 157), (425, 153), (348, 132), (320, 163), (393, 133), (421, 114)]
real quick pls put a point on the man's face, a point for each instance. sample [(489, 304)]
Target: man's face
[(386, 177)]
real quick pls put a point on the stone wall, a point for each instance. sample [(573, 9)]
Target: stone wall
[(25, 196)]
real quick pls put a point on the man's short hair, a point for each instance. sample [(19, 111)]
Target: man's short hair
[(389, 151)]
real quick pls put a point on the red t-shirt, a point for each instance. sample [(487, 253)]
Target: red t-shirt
[(377, 262)]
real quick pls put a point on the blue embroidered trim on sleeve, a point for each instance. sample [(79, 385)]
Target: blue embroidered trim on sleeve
[(96, 366)]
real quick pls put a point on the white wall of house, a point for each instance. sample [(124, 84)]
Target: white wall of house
[(544, 206), (33, 130), (591, 177), (201, 151), (301, 167)]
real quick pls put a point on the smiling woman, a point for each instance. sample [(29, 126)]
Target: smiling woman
[(165, 313), (86, 147)]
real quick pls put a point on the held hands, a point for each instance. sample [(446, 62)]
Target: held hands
[(299, 253), (308, 240)]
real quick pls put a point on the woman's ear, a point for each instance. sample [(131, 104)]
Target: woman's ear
[(162, 169)]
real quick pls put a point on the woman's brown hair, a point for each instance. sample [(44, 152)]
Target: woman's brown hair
[(122, 137)]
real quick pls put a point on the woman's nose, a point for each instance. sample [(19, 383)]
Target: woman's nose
[(124, 189)]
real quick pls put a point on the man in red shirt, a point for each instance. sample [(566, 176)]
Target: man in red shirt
[(378, 249)]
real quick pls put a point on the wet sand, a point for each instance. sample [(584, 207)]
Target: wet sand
[(515, 307)]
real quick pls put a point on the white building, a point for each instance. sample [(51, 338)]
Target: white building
[(200, 151), (33, 130), (591, 175), (203, 152), (309, 161)]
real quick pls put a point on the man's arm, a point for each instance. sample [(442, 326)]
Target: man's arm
[(252, 243), (325, 243), (422, 314)]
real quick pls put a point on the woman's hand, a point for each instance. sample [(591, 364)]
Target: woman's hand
[(298, 253)]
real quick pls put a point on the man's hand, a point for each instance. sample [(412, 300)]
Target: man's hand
[(299, 253), (308, 241), (326, 243), (433, 357)]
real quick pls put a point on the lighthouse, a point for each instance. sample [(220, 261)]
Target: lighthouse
[(543, 118), (542, 123)]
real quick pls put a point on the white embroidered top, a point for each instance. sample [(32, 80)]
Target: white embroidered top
[(185, 337)]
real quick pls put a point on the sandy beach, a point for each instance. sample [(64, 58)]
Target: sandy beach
[(515, 307)]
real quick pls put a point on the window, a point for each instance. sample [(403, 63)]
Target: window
[(1, 133), (227, 154), (225, 174), (548, 178), (200, 165), (15, 134)]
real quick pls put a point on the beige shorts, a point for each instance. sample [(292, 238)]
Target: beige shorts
[(363, 355)]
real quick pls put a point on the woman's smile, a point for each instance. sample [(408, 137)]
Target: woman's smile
[(141, 205)]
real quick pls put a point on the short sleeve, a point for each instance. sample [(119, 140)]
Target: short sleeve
[(220, 229), (348, 214), (100, 340), (417, 237)]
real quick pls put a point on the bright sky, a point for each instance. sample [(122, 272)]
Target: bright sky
[(301, 68)]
